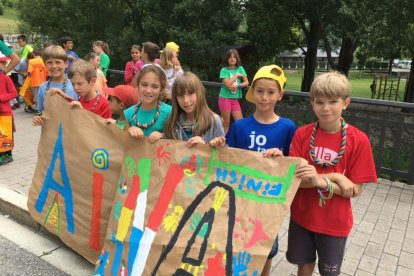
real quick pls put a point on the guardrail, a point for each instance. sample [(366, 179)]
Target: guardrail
[(388, 124)]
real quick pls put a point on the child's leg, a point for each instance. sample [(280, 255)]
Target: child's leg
[(272, 254), (236, 111), (331, 252), (225, 110), (301, 248)]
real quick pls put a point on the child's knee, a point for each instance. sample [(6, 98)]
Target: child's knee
[(306, 269)]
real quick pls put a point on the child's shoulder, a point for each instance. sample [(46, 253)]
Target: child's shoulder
[(166, 108), (287, 122), (357, 135)]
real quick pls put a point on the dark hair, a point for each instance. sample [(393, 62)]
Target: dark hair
[(22, 37), (116, 98), (228, 55), (135, 46), (38, 52), (1, 37), (103, 45), (65, 40), (30, 55), (47, 44), (89, 56), (152, 50)]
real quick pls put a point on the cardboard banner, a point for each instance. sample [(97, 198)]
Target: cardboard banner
[(163, 208), (73, 187), (6, 133)]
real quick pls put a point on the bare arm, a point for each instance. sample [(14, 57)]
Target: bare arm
[(13, 62)]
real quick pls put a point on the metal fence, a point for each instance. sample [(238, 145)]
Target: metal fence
[(388, 124)]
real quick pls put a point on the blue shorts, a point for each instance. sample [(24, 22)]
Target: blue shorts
[(275, 249)]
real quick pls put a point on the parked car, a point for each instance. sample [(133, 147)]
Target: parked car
[(404, 64)]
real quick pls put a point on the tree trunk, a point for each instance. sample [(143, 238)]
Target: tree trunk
[(310, 56), (409, 95), (390, 66), (346, 56)]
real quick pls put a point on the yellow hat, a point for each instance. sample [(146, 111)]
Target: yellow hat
[(173, 46), (266, 72)]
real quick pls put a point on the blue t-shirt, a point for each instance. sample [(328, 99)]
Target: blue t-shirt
[(22, 66), (42, 92), (146, 116), (73, 54), (249, 134)]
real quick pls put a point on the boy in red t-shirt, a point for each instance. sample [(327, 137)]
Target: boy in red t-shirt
[(82, 75), (7, 93), (340, 161)]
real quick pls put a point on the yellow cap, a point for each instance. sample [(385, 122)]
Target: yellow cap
[(266, 72), (173, 46)]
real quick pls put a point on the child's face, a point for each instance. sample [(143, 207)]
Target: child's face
[(68, 46), (232, 60), (95, 61), (115, 106), (174, 59), (149, 87), (266, 94), (21, 42), (3, 65), (97, 49), (187, 101), (56, 67), (81, 86), (144, 55), (135, 54), (329, 110)]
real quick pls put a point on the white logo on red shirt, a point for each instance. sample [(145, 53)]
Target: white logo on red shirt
[(324, 154)]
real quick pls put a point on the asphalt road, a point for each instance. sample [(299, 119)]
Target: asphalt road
[(16, 261)]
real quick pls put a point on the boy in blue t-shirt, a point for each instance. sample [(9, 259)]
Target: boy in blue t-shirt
[(264, 131)]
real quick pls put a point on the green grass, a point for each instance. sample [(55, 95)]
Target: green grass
[(360, 86), (8, 18)]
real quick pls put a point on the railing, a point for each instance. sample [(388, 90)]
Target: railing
[(387, 124)]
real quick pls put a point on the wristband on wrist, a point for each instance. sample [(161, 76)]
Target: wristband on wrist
[(322, 197), (240, 86)]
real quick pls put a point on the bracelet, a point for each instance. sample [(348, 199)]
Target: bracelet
[(322, 197), (327, 184)]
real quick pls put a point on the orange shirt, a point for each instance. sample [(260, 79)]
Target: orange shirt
[(37, 71), (100, 82)]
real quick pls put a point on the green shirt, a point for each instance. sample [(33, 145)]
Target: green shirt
[(26, 49), (120, 124), (146, 116), (4, 49), (104, 63), (227, 73)]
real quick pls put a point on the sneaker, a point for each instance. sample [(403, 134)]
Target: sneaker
[(29, 109), (5, 159), (39, 112), (16, 105), (13, 107)]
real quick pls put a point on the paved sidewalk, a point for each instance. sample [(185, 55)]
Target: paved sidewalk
[(381, 241)]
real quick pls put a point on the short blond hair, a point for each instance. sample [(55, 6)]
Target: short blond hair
[(83, 68), (54, 51), (331, 85)]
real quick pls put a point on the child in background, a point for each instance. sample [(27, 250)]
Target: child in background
[(149, 53), (100, 83), (102, 49), (234, 78), (191, 119), (339, 161), (37, 71), (134, 66), (176, 48), (121, 98), (14, 59), (56, 60), (7, 92), (168, 62), (147, 118), (22, 41), (67, 45), (22, 72), (264, 131)]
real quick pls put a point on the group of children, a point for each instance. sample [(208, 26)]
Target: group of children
[(321, 214)]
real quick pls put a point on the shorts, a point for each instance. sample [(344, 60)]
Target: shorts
[(303, 245), (35, 91), (226, 104), (275, 249)]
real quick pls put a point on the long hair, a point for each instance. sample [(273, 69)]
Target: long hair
[(236, 55), (202, 113), (157, 71), (103, 45), (165, 60)]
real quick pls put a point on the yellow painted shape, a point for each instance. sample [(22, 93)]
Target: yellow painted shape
[(213, 245), (123, 225), (219, 198), (170, 223)]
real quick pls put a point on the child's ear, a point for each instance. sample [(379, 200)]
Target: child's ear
[(346, 103), (66, 64), (281, 93), (93, 80), (122, 105)]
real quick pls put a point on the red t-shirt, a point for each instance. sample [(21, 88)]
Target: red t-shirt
[(101, 109), (7, 93), (357, 164)]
